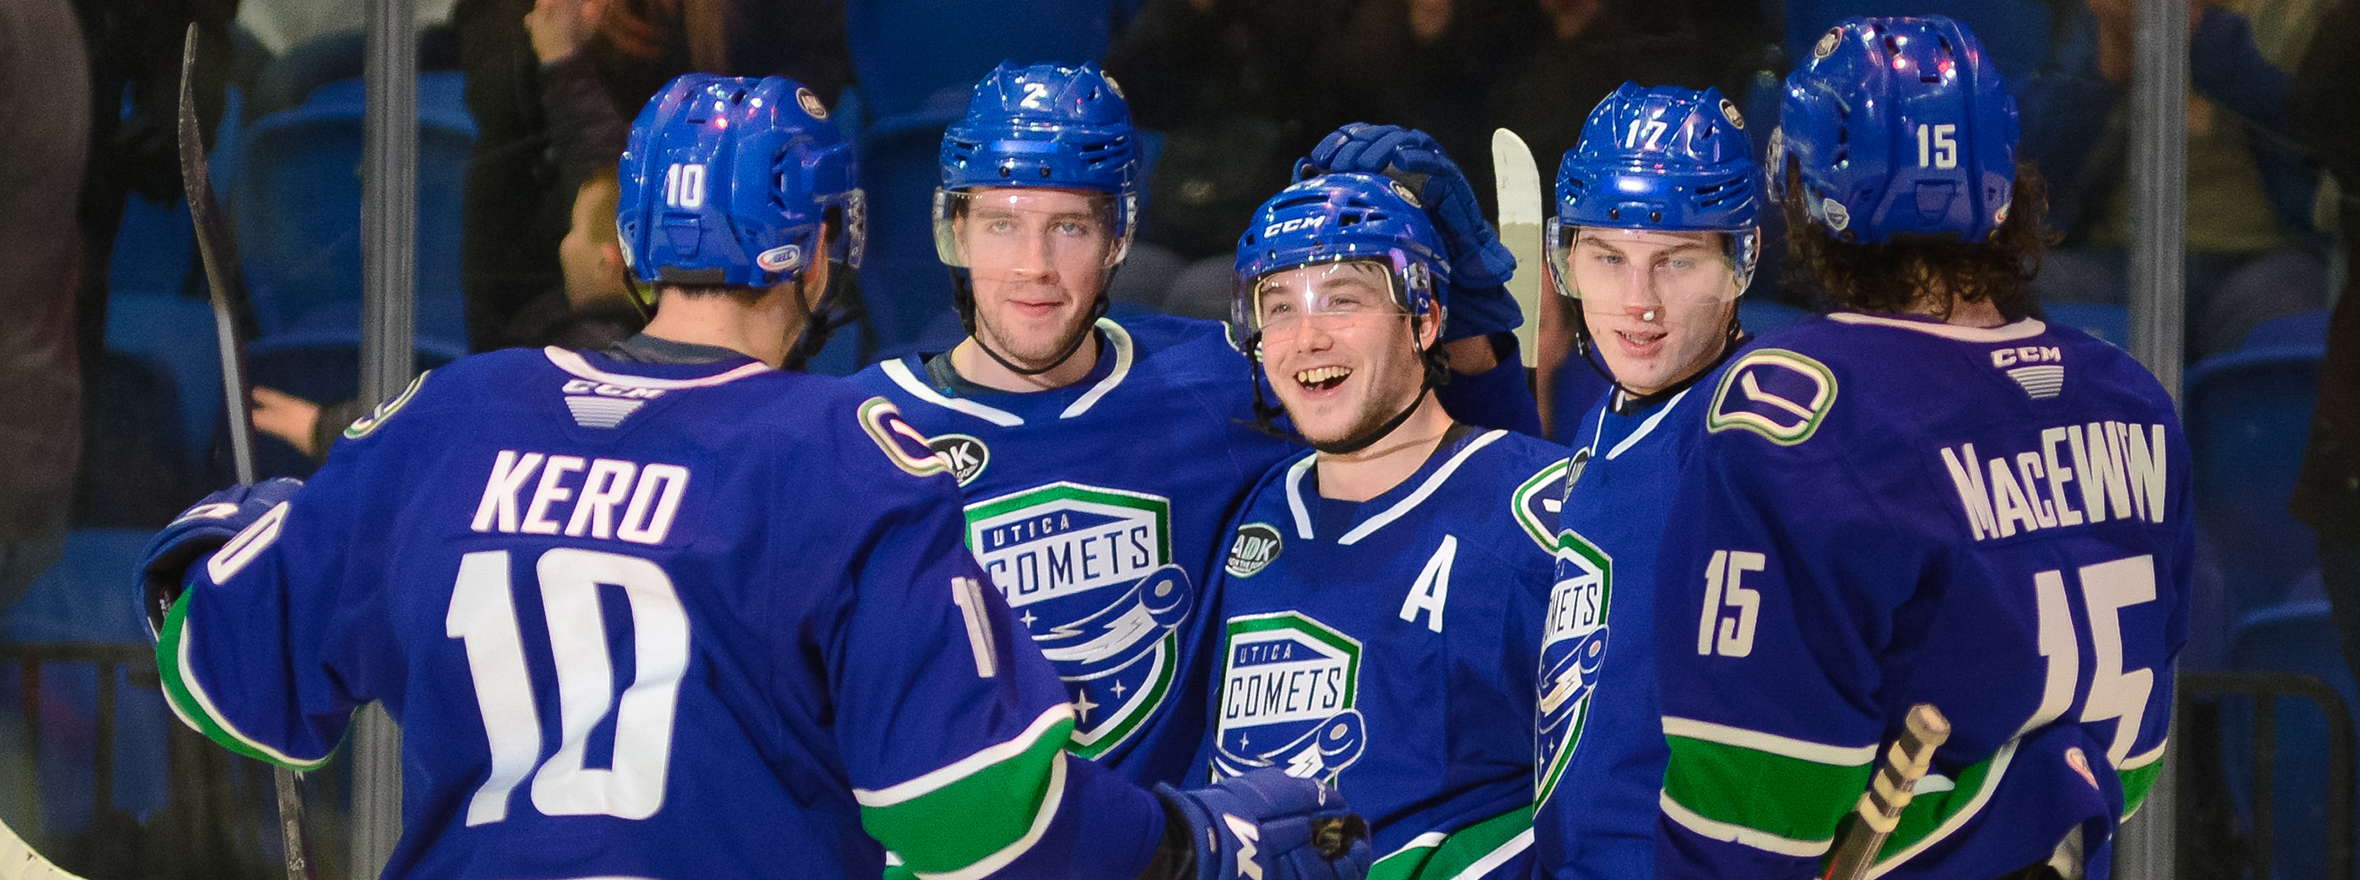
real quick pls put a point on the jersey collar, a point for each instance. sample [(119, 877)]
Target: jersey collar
[(2023, 329), (1122, 350)]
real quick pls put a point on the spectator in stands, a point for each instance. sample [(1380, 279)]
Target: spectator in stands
[(2251, 253), (591, 309), (536, 73), (2327, 494), (40, 257), (40, 260)]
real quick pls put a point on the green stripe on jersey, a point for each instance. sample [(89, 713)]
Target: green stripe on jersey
[(195, 708), (2138, 778), (967, 819), (1491, 841), (1792, 798)]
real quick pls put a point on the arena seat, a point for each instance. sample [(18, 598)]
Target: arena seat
[(176, 332), (296, 200), (2248, 415), (2108, 322), (2299, 637)]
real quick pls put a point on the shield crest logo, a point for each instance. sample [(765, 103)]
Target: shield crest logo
[(1088, 570), (1288, 684)]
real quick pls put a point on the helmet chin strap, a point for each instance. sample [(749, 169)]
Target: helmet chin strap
[(1073, 344), (963, 296), (1626, 401), (1266, 415), (820, 321)]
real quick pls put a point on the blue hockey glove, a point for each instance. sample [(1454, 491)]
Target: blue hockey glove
[(199, 530), (1479, 264), (1270, 825)]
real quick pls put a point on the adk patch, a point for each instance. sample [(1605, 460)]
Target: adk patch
[(1288, 683), (1088, 570), (1779, 394), (1254, 547), (966, 455), (1571, 650)]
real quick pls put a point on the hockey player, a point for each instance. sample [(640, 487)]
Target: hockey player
[(665, 610), (1928, 497), (1655, 237), (1378, 606), (1100, 458)]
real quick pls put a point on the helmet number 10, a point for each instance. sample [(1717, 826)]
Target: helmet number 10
[(1937, 146), (684, 185)]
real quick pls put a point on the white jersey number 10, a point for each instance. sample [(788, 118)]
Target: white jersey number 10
[(483, 615)]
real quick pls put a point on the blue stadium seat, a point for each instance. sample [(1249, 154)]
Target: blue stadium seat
[(2299, 329), (176, 332), (296, 202), (86, 601), (2299, 637), (2108, 322), (2248, 414)]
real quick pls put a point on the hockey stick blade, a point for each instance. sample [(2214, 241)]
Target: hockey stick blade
[(1519, 190), (18, 861), (221, 272), (1922, 731), (221, 262)]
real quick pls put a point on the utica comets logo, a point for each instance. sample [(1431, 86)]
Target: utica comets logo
[(1570, 654), (1287, 689), (1088, 570)]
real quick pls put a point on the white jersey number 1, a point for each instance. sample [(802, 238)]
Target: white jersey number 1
[(483, 615)]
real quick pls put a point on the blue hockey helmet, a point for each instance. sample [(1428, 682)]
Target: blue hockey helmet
[(728, 180), (1337, 219), (1668, 159), (1900, 127), (1042, 125)]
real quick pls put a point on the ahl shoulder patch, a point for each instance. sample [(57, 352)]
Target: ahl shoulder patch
[(366, 425), (1779, 394), (903, 445)]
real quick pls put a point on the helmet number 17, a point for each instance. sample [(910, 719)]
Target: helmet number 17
[(1937, 146)]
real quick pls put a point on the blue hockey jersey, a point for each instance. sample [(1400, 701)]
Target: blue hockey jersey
[(1389, 645), (650, 620), (1889, 511), (1097, 510), (1600, 747)]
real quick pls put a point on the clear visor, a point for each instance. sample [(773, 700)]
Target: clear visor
[(1330, 295), (1028, 230), (1610, 269)]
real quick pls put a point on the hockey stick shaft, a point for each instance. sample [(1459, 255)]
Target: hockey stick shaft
[(18, 861), (1922, 731), (214, 248), (1518, 184)]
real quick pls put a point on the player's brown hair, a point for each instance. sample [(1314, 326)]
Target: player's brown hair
[(1892, 276)]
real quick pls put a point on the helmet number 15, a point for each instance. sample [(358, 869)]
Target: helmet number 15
[(1937, 146), (684, 185)]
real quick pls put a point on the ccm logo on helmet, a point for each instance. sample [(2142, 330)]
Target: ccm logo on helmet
[(1293, 225)]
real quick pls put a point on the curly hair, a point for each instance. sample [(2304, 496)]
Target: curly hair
[(1893, 276)]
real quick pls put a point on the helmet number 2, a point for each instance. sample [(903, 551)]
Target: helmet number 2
[(1036, 96), (1937, 146), (684, 185)]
